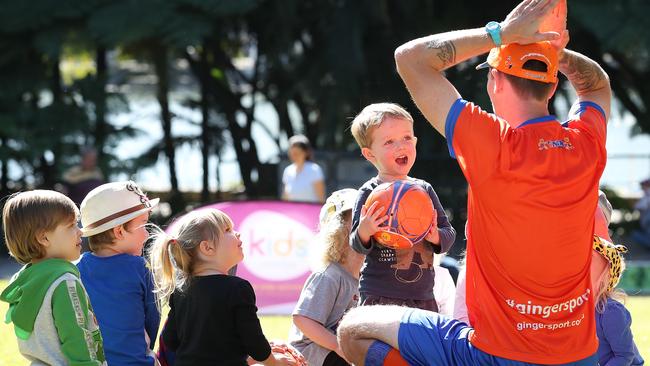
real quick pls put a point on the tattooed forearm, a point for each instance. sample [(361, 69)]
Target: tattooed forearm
[(445, 50), (584, 74)]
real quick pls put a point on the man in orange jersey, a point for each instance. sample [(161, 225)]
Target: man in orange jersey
[(533, 190)]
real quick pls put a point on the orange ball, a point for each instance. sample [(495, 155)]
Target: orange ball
[(410, 213), (555, 20)]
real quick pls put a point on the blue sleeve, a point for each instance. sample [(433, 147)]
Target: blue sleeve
[(355, 241), (151, 313), (616, 329), (450, 124), (590, 118), (446, 231), (578, 108)]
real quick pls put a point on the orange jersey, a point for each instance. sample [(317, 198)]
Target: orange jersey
[(533, 191)]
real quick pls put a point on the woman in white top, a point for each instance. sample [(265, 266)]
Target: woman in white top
[(303, 180)]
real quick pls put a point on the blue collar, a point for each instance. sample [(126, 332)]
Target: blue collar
[(550, 117)]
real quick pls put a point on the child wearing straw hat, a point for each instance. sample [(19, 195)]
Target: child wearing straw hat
[(117, 278)]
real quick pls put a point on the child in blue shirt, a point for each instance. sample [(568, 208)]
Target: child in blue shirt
[(117, 278)]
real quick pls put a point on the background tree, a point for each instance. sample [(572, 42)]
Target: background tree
[(325, 60)]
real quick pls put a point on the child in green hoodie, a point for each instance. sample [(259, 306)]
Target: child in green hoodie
[(48, 305)]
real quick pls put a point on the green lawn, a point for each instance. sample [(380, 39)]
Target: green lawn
[(277, 327)]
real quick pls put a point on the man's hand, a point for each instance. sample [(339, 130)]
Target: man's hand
[(522, 24), (370, 221), (560, 43)]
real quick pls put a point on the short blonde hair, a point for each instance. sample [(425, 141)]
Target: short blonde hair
[(371, 117), (28, 214)]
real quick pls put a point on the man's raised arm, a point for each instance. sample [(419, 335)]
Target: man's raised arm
[(588, 79), (420, 62)]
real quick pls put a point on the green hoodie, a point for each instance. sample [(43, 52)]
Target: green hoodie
[(27, 289), (52, 316)]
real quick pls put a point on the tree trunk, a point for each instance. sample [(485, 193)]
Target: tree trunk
[(230, 102), (205, 131), (56, 84), (101, 128), (218, 174), (162, 94), (282, 108), (46, 170), (242, 142)]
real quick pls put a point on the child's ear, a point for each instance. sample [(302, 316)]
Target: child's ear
[(367, 153), (207, 248), (41, 238), (118, 232), (552, 93)]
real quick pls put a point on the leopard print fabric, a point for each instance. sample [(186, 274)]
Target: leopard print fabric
[(614, 255)]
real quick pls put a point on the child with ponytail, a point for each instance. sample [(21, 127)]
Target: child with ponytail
[(212, 317)]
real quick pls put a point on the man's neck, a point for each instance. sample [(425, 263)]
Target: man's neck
[(517, 113)]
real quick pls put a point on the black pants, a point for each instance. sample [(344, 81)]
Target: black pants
[(333, 359), (429, 304)]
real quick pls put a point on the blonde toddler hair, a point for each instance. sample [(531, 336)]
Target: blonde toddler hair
[(28, 214), (371, 117), (335, 223), (334, 238), (604, 294), (173, 255)]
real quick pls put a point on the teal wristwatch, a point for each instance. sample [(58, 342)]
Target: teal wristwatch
[(494, 30)]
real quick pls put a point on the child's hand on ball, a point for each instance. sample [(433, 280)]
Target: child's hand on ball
[(370, 221), (433, 236)]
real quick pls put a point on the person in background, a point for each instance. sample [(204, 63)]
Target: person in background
[(302, 180), (79, 180)]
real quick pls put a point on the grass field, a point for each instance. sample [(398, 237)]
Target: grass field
[(277, 327)]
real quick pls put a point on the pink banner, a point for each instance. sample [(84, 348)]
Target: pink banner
[(276, 238)]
